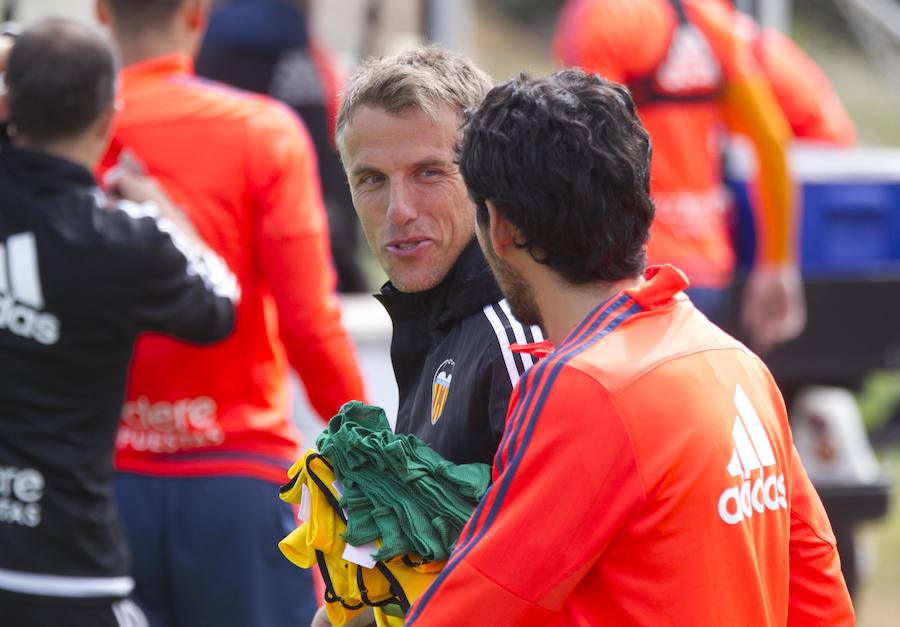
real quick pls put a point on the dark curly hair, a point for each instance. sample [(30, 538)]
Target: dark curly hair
[(566, 160)]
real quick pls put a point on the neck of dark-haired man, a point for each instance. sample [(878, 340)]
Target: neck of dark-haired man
[(156, 43), (563, 306), (82, 149)]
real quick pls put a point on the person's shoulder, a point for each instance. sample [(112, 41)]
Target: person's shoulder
[(197, 98), (631, 15), (272, 119), (717, 20), (651, 339)]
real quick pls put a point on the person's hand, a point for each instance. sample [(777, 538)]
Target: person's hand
[(127, 181), (364, 619), (320, 619), (6, 44), (774, 306)]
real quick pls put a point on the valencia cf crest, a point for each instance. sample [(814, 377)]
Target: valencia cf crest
[(440, 387)]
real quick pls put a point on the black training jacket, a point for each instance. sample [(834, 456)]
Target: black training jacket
[(78, 282), (451, 357)]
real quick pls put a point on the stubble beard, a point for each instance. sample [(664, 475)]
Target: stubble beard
[(516, 289)]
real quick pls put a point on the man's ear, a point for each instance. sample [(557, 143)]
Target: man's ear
[(501, 231), (103, 127), (101, 10)]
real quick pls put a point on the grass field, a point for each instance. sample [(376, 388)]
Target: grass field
[(878, 604)]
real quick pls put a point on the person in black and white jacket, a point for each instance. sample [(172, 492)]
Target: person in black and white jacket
[(81, 275), (397, 131)]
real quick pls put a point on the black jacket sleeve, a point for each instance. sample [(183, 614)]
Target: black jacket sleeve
[(185, 293)]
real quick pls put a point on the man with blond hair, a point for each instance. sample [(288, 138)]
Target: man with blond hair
[(397, 131)]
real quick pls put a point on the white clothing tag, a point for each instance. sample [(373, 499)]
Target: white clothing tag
[(361, 555), (304, 513)]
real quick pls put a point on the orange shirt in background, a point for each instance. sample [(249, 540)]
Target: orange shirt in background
[(244, 170), (625, 40)]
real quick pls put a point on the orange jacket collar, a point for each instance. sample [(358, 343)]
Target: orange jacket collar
[(156, 68), (662, 285)]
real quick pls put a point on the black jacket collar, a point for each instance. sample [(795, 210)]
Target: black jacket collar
[(466, 290), (44, 170)]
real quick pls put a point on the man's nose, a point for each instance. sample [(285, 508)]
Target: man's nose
[(401, 210)]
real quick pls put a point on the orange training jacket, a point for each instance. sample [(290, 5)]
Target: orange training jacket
[(243, 169), (647, 476)]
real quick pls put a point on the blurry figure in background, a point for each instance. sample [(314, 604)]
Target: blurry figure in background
[(206, 434), (81, 276), (692, 73), (265, 46)]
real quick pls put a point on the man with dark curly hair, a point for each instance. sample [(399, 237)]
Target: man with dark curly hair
[(647, 474)]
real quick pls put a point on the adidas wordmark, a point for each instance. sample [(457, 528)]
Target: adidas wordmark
[(752, 454)]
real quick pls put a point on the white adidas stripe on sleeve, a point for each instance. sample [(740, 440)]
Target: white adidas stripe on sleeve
[(503, 340), (502, 322), (518, 331)]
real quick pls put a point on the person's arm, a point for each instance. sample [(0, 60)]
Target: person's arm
[(185, 290), (8, 32), (774, 306), (501, 570), (818, 594), (294, 260)]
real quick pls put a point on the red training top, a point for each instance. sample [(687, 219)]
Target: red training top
[(646, 477), (244, 170)]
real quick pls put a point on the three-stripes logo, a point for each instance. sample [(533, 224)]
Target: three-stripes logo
[(752, 453), (21, 296), (690, 63)]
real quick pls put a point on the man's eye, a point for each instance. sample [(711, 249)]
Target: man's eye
[(371, 179), (430, 172)]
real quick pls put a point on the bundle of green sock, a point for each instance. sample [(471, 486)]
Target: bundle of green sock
[(397, 488)]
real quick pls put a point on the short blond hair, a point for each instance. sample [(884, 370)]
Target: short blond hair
[(424, 78)]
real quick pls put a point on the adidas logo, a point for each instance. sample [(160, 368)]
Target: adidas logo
[(21, 296), (752, 452), (690, 63)]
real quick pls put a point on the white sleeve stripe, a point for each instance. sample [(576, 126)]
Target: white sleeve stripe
[(211, 269), (536, 331), (518, 331), (65, 586), (128, 614), (500, 332)]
